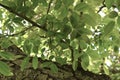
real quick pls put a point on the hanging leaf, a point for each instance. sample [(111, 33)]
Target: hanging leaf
[(54, 68), (75, 65), (7, 55), (25, 63), (74, 19), (35, 62), (106, 69), (85, 61), (109, 27), (4, 69)]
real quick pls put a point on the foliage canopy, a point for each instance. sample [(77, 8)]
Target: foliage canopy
[(75, 32)]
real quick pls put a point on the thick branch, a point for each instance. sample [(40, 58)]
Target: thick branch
[(24, 17)]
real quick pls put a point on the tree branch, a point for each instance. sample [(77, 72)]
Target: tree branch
[(49, 5), (24, 17)]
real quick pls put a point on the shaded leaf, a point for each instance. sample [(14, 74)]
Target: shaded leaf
[(58, 4), (109, 27), (81, 7), (109, 3), (74, 19), (25, 63), (113, 14), (54, 68), (67, 3), (4, 69), (7, 55), (35, 62)]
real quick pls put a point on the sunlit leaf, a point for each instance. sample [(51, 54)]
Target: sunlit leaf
[(106, 70)]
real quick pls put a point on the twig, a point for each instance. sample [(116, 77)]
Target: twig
[(18, 32), (24, 17), (49, 5)]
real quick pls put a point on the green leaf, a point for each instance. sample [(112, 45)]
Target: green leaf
[(35, 62), (10, 28), (85, 61), (83, 44), (76, 54), (54, 68), (4, 69), (109, 27), (113, 14), (66, 30), (25, 63), (93, 54), (60, 60), (109, 3), (75, 65), (81, 7), (5, 43), (58, 4), (63, 12), (74, 19), (7, 55), (35, 49), (116, 49), (46, 64), (118, 20), (44, 2), (88, 19), (67, 3), (75, 43), (73, 34), (106, 69)]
